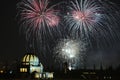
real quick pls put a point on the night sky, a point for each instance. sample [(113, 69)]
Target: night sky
[(12, 43)]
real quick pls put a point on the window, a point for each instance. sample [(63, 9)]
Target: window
[(23, 69)]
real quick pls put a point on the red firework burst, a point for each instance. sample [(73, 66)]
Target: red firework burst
[(37, 13), (84, 16), (78, 15)]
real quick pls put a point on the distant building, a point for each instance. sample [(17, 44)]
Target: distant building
[(31, 66)]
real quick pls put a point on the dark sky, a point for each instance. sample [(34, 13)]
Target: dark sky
[(12, 44)]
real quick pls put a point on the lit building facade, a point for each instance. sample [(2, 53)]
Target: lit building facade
[(31, 65)]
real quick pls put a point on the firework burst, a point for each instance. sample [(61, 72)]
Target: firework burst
[(92, 19), (37, 18), (70, 51), (38, 21)]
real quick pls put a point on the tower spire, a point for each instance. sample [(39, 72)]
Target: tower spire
[(94, 67)]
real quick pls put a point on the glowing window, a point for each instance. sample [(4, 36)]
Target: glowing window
[(37, 76), (1, 71), (23, 69)]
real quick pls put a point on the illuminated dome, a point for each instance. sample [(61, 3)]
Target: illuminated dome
[(30, 59)]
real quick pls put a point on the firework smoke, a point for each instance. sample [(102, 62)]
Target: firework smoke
[(70, 51)]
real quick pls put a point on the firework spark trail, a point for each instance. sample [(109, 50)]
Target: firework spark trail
[(39, 21), (37, 18), (70, 51), (85, 19), (92, 19)]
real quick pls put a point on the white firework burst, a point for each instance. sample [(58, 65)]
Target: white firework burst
[(70, 51)]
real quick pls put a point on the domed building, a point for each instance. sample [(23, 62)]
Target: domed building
[(30, 64)]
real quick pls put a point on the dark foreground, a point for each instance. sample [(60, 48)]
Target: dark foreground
[(69, 75)]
